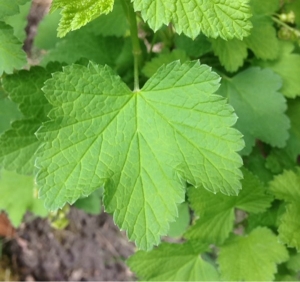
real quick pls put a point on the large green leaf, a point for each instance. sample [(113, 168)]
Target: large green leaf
[(11, 54), (253, 257), (254, 95), (216, 212), (76, 14), (224, 18), (102, 133), (17, 196), (173, 262), (287, 187)]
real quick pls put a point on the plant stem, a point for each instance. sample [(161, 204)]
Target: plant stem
[(136, 48)]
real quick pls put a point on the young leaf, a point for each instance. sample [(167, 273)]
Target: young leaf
[(112, 24), (18, 145), (251, 258), (254, 95), (173, 262), (227, 19), (141, 145), (76, 14), (288, 67), (231, 53), (286, 187), (11, 54), (17, 196), (262, 40), (216, 212)]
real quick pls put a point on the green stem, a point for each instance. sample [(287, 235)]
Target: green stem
[(278, 21), (136, 48)]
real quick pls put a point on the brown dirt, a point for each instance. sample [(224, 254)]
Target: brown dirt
[(91, 248)]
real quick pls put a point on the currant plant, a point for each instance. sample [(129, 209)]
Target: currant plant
[(180, 117)]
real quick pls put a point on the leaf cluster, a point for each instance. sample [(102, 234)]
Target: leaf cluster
[(205, 148)]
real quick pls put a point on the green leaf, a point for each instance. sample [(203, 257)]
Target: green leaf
[(18, 145), (227, 18), (256, 163), (269, 218), (103, 133), (81, 44), (293, 143), (151, 67), (193, 48), (11, 54), (10, 8), (287, 187), (179, 226), (288, 67), (17, 196), (112, 24), (92, 203), (262, 40), (8, 112), (252, 257), (254, 95), (76, 14), (294, 262), (19, 21), (216, 212), (231, 53), (173, 262), (279, 160)]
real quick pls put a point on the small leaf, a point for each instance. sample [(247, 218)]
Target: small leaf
[(216, 212), (76, 14), (173, 262), (251, 258), (18, 144), (181, 223), (10, 8), (231, 53), (288, 67), (11, 54), (287, 187), (17, 196), (254, 95)]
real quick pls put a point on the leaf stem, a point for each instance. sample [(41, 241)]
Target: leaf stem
[(136, 48)]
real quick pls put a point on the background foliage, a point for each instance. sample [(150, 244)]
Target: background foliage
[(205, 148)]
